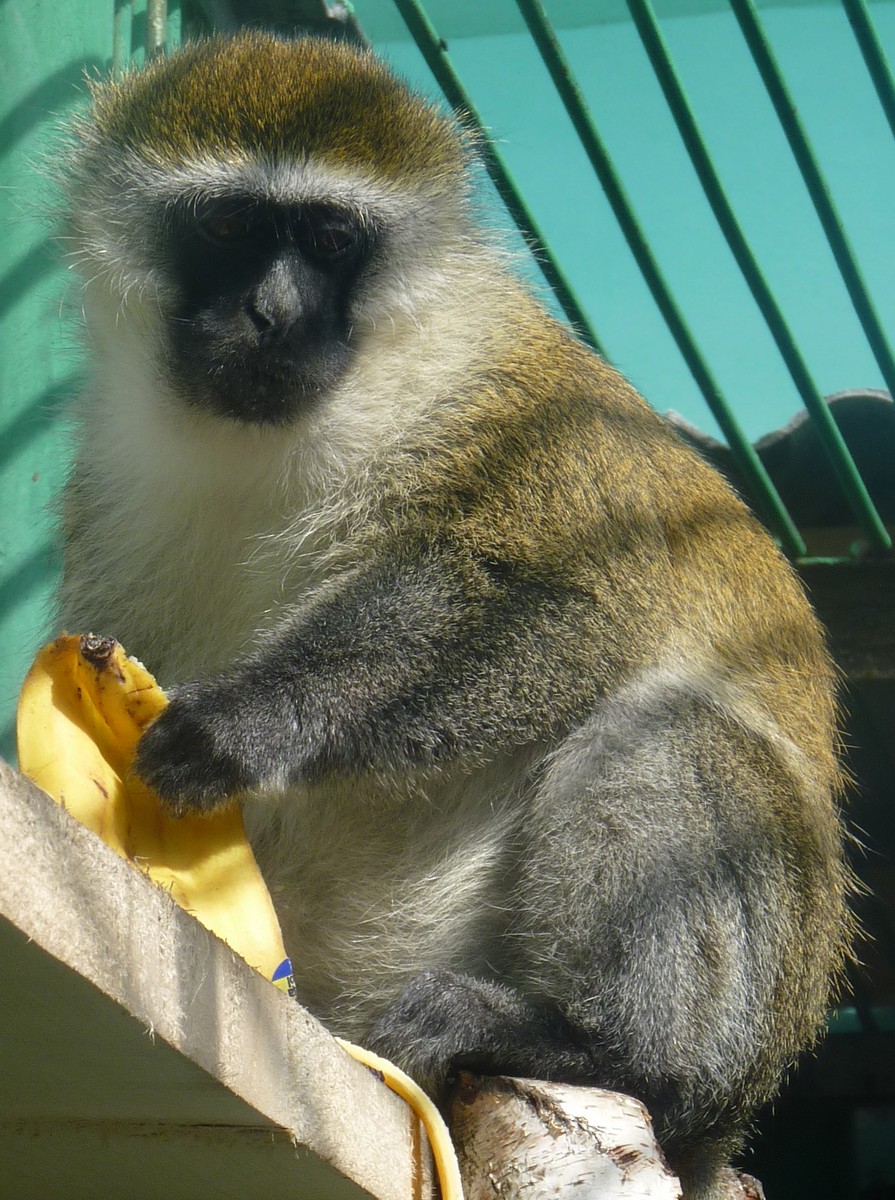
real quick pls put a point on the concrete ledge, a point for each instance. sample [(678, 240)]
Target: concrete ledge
[(142, 1058)]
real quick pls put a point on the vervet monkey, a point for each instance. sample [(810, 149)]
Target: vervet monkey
[(533, 727)]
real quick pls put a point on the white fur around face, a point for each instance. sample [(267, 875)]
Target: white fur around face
[(191, 533), (118, 212)]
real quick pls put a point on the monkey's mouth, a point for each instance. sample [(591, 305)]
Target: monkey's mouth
[(268, 386)]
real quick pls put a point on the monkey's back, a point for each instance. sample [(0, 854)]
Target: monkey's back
[(549, 464)]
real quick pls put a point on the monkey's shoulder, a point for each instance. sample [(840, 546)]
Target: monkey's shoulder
[(544, 434)]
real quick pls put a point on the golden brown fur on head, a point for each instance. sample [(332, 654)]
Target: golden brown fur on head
[(312, 98)]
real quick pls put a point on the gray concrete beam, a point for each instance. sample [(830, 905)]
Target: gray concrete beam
[(141, 1058)]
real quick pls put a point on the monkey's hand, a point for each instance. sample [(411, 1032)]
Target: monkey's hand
[(444, 1022), (215, 739)]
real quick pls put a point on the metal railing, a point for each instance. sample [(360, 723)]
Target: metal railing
[(761, 488)]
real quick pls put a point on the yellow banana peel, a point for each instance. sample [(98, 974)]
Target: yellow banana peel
[(82, 709), (450, 1185)]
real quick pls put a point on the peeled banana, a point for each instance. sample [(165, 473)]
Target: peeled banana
[(450, 1185)]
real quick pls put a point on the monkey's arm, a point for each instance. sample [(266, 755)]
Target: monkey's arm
[(420, 660)]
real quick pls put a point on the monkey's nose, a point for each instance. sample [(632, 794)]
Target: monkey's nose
[(276, 303)]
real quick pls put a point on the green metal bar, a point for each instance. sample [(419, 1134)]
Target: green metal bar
[(156, 27), (122, 32), (750, 465), (877, 67), (435, 52), (770, 72), (837, 451)]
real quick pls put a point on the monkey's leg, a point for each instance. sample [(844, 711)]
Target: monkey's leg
[(679, 914)]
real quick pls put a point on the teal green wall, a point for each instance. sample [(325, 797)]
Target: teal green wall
[(46, 45), (45, 49)]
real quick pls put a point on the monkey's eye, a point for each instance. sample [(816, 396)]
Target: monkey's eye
[(227, 228), (333, 241), (328, 238)]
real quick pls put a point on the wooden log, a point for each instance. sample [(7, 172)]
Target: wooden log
[(522, 1139)]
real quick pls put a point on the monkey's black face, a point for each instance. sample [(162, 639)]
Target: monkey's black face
[(263, 326)]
